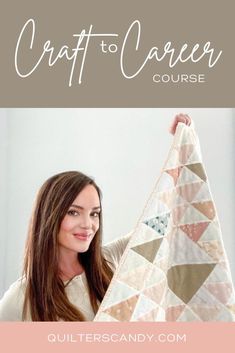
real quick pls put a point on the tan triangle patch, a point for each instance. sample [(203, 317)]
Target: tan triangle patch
[(124, 310), (156, 293), (148, 250), (136, 278), (192, 215), (185, 280), (206, 208), (213, 248), (197, 169)]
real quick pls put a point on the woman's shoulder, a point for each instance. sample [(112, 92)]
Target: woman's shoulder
[(11, 304), (114, 250)]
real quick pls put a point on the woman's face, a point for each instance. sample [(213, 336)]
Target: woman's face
[(81, 222)]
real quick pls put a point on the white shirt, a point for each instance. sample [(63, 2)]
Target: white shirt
[(11, 304)]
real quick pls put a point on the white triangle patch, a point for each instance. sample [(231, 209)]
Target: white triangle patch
[(173, 160), (122, 292), (186, 251), (143, 306), (192, 215), (188, 315), (187, 177)]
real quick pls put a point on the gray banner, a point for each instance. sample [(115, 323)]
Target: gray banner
[(117, 54)]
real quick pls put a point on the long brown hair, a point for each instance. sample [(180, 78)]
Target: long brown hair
[(45, 297)]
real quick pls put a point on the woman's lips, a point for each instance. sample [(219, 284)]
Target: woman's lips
[(82, 236)]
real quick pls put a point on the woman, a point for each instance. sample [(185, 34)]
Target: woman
[(66, 270)]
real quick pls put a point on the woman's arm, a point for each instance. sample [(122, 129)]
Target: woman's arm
[(11, 304), (113, 251)]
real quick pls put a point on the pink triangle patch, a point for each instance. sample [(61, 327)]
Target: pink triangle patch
[(189, 191), (178, 212), (174, 173), (173, 312), (185, 152), (205, 312), (194, 231), (222, 291)]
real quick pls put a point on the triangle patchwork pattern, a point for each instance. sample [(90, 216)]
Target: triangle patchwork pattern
[(174, 173), (185, 152), (189, 191), (173, 160), (188, 315), (156, 277), (123, 311), (174, 267), (222, 291), (178, 212), (180, 276), (173, 312), (150, 316), (192, 215), (143, 307), (194, 231), (123, 292), (206, 208), (194, 254), (210, 231), (203, 194), (144, 234), (187, 177), (197, 168), (156, 292), (213, 248), (136, 277), (206, 311), (166, 182), (159, 223), (149, 249)]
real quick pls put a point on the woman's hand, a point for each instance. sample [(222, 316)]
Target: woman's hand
[(180, 118)]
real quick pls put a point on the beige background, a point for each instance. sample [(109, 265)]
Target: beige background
[(103, 83)]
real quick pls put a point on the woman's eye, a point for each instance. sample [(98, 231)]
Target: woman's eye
[(72, 213), (95, 214)]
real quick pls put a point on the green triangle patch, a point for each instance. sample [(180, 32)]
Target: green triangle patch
[(158, 223)]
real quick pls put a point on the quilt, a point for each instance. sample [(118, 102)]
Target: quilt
[(174, 267)]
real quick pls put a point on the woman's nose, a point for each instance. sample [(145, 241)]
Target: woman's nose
[(85, 222)]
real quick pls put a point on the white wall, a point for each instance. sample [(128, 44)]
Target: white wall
[(124, 149), (3, 197)]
